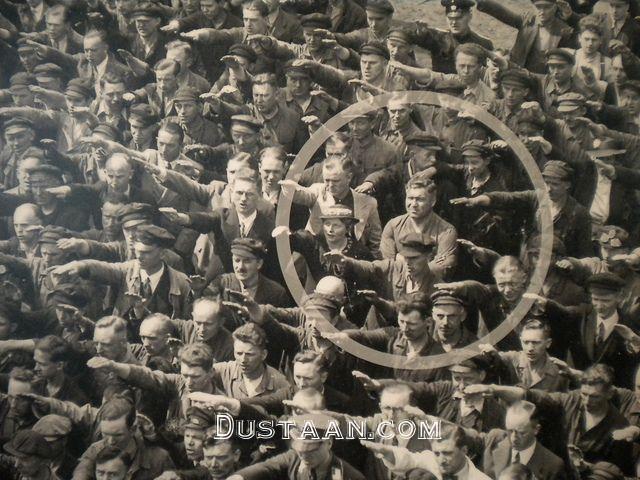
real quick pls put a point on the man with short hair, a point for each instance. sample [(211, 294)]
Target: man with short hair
[(155, 331), (118, 428), (221, 457), (112, 463), (197, 129), (59, 33), (16, 413)]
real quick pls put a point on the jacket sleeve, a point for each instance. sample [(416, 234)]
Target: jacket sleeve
[(111, 273), (154, 380), (84, 416), (517, 200), (185, 187), (204, 222), (445, 258), (373, 231), (498, 11), (105, 251)]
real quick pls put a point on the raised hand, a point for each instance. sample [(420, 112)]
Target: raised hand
[(100, 363), (174, 216), (367, 382)]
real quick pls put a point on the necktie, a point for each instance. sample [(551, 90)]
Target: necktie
[(600, 337), (146, 289), (516, 457)]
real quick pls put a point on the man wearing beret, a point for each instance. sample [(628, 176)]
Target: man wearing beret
[(247, 255), (146, 282), (536, 34), (442, 44), (570, 219), (32, 454)]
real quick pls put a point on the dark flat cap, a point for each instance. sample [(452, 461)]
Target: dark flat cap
[(476, 148), (18, 123), (154, 236), (445, 297), (375, 48), (424, 140), (244, 51), (68, 294), (108, 130), (316, 20), (319, 300), (560, 55), (381, 6), (187, 94), (79, 87), (48, 70), (45, 169), (293, 69), (457, 7), (27, 443), (248, 121), (136, 213), (613, 236), (399, 35), (53, 426), (53, 233), (248, 247), (557, 169), (570, 101), (197, 419), (147, 9), (516, 76), (477, 363), (413, 245), (142, 115), (605, 281), (22, 79)]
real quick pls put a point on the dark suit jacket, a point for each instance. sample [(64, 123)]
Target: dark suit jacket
[(613, 352), (224, 225), (497, 456), (268, 291), (353, 18), (287, 465), (287, 28)]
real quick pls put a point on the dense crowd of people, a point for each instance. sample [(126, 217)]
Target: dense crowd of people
[(145, 292)]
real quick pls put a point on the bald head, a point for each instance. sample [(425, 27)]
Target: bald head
[(331, 286), (27, 223), (309, 398), (119, 172), (154, 333)]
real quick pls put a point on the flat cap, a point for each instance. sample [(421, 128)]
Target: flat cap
[(446, 297), (606, 147), (244, 51), (47, 70), (16, 124), (197, 419), (79, 87), (247, 121), (186, 94), (322, 301), (613, 236), (294, 69), (375, 48), (136, 213), (147, 9), (316, 20), (108, 130), (53, 426), (425, 141), (457, 7), (476, 148), (68, 294), (631, 85), (339, 212), (399, 35), (605, 281), (381, 6), (477, 363), (560, 55), (570, 101), (142, 115), (413, 245), (53, 233), (248, 247), (516, 76), (22, 79), (557, 169), (28, 443), (45, 169), (153, 235)]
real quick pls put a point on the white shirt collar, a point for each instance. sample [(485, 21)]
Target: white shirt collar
[(525, 455), (101, 68), (154, 278), (247, 222), (609, 323)]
